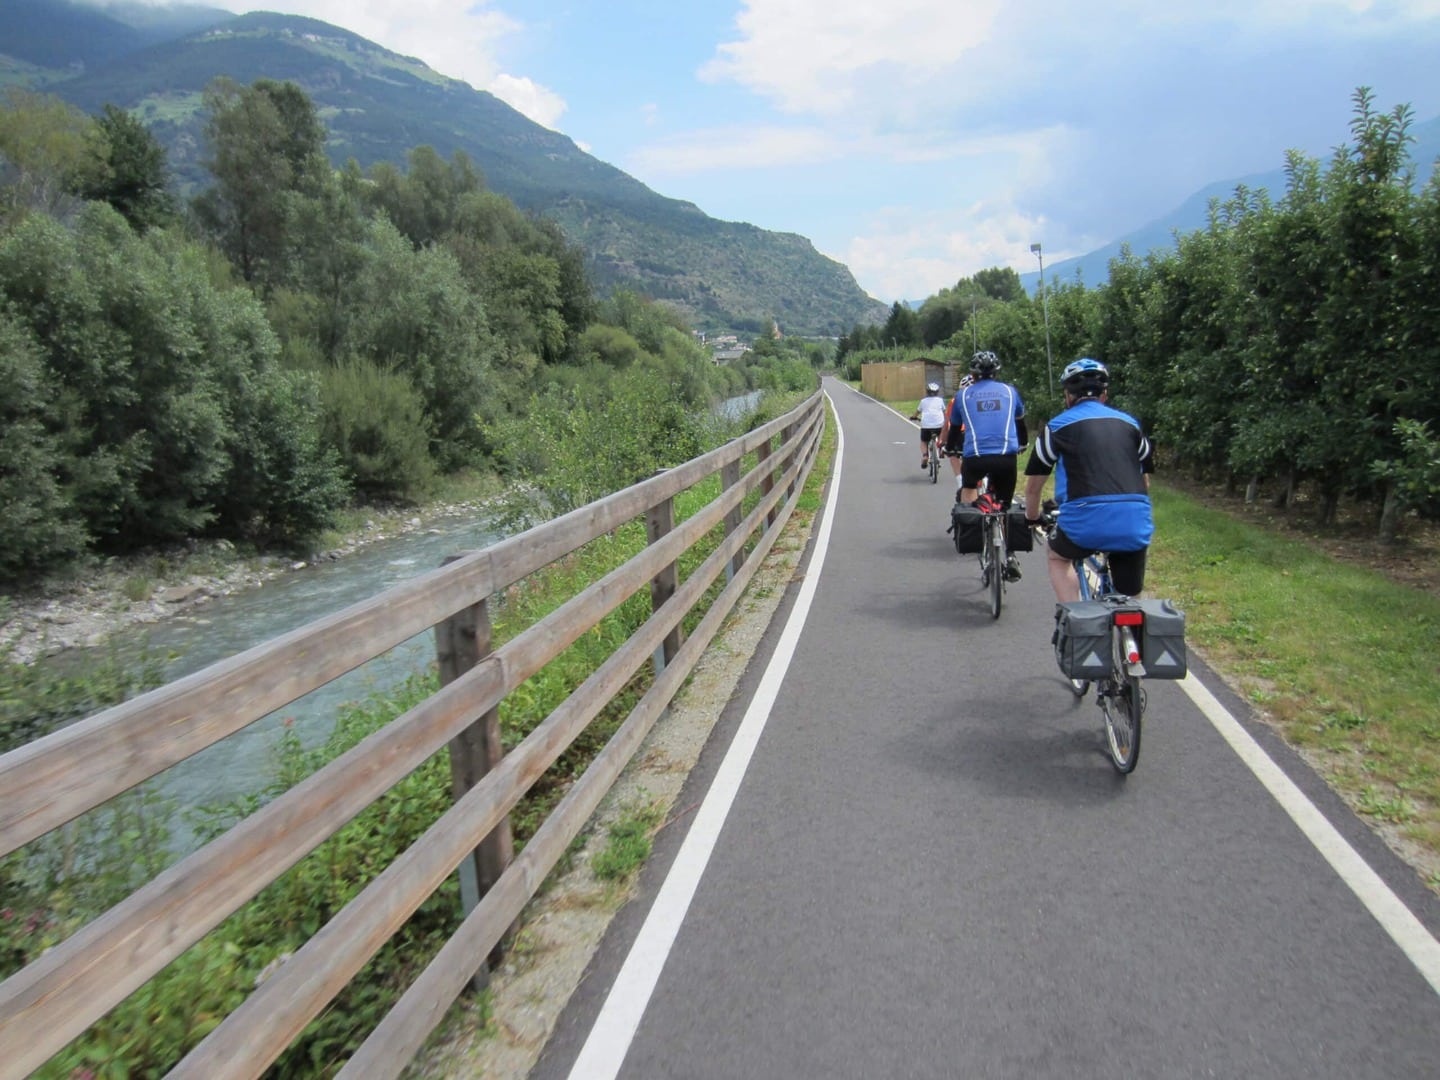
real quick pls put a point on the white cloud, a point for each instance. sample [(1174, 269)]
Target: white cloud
[(1026, 154), (902, 60), (729, 149), (812, 55), (543, 106), (907, 254)]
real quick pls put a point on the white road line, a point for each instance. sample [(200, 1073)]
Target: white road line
[(1408, 932), (609, 1040)]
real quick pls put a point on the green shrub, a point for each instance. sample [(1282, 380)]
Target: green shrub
[(375, 421), (40, 527)]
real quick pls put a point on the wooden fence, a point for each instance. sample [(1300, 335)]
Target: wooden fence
[(57, 778)]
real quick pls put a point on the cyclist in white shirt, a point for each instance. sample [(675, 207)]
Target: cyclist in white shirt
[(931, 414)]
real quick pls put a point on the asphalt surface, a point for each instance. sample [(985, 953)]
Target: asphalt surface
[(931, 869)]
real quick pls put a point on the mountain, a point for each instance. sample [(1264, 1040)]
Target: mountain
[(69, 38), (378, 105), (1093, 268)]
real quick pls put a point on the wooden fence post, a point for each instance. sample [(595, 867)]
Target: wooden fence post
[(659, 520), (785, 435), (461, 642), (729, 477), (767, 484)]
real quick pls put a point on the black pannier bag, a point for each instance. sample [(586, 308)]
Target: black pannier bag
[(1082, 639), (1018, 535), (1162, 639), (968, 526)]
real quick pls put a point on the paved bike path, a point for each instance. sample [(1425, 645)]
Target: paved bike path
[(931, 870)]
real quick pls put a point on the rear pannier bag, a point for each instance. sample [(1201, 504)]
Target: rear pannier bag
[(1018, 535), (1082, 639), (1162, 640), (967, 524)]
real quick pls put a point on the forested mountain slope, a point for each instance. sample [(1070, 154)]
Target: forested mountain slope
[(378, 105)]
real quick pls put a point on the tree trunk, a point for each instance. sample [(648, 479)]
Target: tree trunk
[(1286, 495), (1390, 515), (1329, 505), (1252, 490)]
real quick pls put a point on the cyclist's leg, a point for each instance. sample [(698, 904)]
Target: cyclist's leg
[(1060, 556), (926, 434), (954, 444), (1127, 571), (972, 471), (1002, 478)]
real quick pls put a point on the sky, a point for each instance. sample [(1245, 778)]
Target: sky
[(919, 141)]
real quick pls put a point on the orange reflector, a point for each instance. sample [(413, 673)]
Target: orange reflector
[(1129, 618)]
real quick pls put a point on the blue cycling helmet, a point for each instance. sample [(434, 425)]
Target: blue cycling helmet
[(1085, 378)]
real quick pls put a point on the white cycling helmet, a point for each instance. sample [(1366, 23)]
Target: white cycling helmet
[(933, 387)]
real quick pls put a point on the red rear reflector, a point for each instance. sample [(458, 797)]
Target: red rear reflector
[(1129, 618)]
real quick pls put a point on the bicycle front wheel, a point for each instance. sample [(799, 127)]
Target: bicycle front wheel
[(1123, 705)]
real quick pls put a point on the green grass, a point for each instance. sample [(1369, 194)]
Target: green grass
[(628, 844), (1342, 659)]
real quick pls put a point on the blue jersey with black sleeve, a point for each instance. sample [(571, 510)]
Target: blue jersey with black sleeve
[(1100, 458), (989, 410)]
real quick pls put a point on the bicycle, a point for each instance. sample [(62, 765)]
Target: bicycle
[(932, 451), (994, 554), (990, 540), (1119, 693)]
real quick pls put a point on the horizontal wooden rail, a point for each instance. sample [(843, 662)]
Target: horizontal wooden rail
[(51, 781), (296, 994)]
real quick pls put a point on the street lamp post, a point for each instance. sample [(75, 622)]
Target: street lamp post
[(1045, 310)]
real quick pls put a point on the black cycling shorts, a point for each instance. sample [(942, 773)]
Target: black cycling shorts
[(928, 433), (999, 467), (1127, 568)]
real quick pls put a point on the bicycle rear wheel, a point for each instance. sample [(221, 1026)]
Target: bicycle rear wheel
[(934, 462), (1123, 703), (995, 545)]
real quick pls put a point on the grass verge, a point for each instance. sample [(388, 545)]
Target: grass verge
[(1341, 659)]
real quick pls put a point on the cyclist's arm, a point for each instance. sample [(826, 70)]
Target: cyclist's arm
[(1021, 431), (1034, 485)]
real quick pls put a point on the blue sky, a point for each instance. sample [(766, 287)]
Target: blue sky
[(918, 141)]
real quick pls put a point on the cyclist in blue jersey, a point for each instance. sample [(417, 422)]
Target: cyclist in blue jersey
[(1102, 463), (987, 422)]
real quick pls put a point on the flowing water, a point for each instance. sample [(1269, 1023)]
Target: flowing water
[(244, 763)]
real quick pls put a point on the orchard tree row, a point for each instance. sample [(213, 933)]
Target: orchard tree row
[(1291, 342), (295, 337)]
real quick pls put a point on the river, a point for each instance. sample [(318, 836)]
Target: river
[(244, 763)]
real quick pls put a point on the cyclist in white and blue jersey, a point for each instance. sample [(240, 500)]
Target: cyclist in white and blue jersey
[(986, 424), (1102, 463)]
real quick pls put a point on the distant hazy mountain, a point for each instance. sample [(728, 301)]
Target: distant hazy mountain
[(1094, 267), (378, 105)]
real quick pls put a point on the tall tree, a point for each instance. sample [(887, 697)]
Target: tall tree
[(266, 147), (902, 328), (133, 177), (48, 152)]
